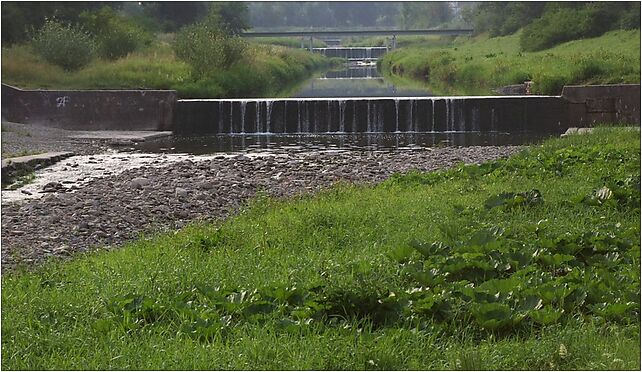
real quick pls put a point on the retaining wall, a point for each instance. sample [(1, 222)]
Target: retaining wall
[(588, 105), (90, 109)]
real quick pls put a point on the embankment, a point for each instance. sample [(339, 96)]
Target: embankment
[(487, 63)]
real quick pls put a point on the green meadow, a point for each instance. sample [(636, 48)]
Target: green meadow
[(531, 262)]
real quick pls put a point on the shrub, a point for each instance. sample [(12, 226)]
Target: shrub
[(564, 24), (207, 49), (115, 35), (64, 45), (550, 84)]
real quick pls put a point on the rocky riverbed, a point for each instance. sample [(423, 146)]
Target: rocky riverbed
[(105, 212)]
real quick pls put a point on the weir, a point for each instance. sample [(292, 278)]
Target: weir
[(371, 115), (358, 53)]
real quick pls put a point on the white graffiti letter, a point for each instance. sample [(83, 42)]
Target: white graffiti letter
[(62, 101)]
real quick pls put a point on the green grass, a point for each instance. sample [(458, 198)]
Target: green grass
[(323, 282), (290, 42), (486, 63), (264, 71)]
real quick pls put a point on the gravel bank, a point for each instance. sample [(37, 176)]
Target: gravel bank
[(21, 139), (112, 210)]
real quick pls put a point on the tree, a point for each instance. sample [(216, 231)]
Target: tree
[(232, 17)]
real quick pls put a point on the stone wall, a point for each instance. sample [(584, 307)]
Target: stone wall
[(90, 109)]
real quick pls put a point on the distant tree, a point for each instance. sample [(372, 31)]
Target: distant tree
[(232, 17), (424, 14), (20, 18), (175, 14)]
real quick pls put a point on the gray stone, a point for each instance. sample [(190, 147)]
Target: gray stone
[(181, 192), (139, 182)]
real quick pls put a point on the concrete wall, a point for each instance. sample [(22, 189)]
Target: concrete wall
[(90, 109), (356, 52), (457, 114), (588, 105)]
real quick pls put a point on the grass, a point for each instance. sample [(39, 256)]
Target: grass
[(323, 282), (290, 42), (20, 181), (264, 71), (486, 63)]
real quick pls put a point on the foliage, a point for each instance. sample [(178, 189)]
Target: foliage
[(232, 17), (267, 71), (64, 45), (417, 15), (483, 63), (416, 273), (561, 23), (116, 36), (323, 14), (19, 18), (547, 24), (175, 14), (207, 48)]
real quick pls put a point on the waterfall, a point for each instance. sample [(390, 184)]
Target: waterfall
[(396, 115), (462, 117), (379, 119), (220, 117), (268, 115), (342, 109), (243, 104), (298, 117), (492, 120), (329, 122), (410, 125), (433, 114), (257, 123), (231, 118), (369, 121)]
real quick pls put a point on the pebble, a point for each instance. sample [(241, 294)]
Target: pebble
[(119, 207)]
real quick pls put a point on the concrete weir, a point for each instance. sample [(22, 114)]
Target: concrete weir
[(352, 53), (332, 115)]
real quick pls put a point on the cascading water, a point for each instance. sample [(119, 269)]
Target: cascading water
[(257, 123), (396, 116), (243, 105), (375, 115), (268, 115), (342, 109)]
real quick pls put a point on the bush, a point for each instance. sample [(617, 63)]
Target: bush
[(116, 36), (559, 25), (550, 84), (207, 49), (64, 45)]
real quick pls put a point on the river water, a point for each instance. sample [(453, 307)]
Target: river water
[(355, 80)]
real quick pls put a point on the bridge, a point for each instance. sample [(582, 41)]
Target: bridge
[(338, 33), (459, 31)]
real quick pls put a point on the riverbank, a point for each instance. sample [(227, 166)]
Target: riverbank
[(535, 265), (264, 71), (483, 63), (165, 192)]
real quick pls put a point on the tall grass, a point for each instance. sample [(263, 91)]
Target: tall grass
[(486, 63), (263, 71)]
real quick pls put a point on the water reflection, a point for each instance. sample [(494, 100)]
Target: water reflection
[(200, 145), (355, 79)]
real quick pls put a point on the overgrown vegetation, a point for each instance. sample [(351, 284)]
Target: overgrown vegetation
[(205, 59), (484, 63), (67, 46), (546, 24), (527, 263), (115, 35)]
